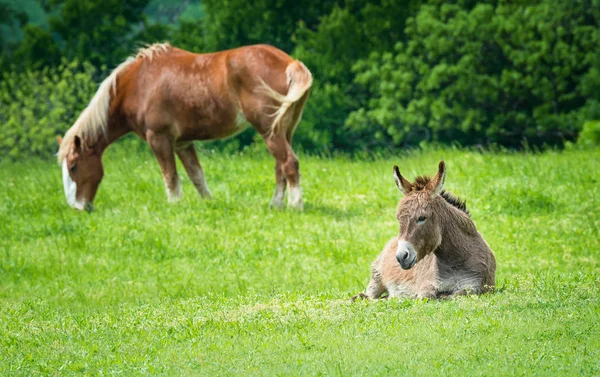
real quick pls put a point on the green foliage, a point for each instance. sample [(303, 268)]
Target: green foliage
[(491, 74), (590, 135), (10, 24), (38, 49), (239, 22), (227, 287), (37, 105), (342, 37), (98, 31), (387, 73)]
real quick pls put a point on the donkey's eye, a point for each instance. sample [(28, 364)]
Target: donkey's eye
[(421, 219)]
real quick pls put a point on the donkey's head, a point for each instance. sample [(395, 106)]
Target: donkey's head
[(82, 172), (419, 216)]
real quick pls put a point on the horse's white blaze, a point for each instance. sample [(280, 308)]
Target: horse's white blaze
[(70, 187)]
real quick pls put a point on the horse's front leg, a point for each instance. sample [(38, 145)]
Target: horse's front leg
[(162, 146), (189, 159)]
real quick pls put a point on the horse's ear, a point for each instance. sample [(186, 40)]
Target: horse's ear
[(436, 185), (77, 143), (59, 139), (401, 182)]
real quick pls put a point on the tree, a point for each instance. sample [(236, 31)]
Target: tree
[(491, 74), (10, 23), (233, 23), (99, 31), (346, 35)]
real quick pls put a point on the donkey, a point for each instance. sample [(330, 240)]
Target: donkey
[(170, 97), (439, 253)]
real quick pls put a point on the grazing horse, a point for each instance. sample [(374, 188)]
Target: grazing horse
[(438, 253), (170, 97)]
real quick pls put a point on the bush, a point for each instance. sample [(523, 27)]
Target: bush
[(35, 106), (590, 135), (503, 74)]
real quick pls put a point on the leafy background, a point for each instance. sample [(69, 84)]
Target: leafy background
[(388, 73)]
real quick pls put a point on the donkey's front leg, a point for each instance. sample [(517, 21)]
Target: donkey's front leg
[(162, 146), (374, 290)]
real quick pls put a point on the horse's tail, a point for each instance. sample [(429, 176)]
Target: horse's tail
[(93, 120), (299, 80)]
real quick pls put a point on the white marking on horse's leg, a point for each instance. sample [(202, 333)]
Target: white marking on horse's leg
[(176, 193), (277, 201), (295, 197), (199, 180)]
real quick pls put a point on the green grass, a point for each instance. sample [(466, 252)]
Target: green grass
[(229, 287)]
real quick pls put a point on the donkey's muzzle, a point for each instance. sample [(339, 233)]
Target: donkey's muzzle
[(406, 255)]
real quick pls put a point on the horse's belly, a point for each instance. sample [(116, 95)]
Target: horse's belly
[(211, 128)]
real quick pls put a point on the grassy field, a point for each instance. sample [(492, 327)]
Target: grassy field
[(229, 287)]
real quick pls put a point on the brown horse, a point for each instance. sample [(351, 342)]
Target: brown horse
[(438, 253), (170, 97)]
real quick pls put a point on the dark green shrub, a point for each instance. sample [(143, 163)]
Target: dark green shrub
[(502, 74), (590, 135), (35, 106)]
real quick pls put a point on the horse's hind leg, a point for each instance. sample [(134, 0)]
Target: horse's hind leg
[(162, 146), (277, 147), (286, 171), (291, 168), (189, 159), (287, 167), (291, 171)]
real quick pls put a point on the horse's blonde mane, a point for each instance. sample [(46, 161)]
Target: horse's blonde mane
[(149, 51), (93, 121)]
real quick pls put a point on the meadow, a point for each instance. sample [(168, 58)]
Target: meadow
[(230, 287)]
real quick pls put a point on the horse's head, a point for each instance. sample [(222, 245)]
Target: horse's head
[(82, 172), (419, 216)]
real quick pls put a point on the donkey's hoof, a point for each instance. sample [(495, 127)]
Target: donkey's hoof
[(361, 296)]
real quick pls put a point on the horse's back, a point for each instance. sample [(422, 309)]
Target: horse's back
[(202, 95)]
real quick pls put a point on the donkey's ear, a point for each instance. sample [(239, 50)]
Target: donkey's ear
[(436, 185), (401, 182), (59, 139)]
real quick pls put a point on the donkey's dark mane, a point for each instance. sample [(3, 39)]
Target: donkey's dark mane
[(422, 181), (455, 201)]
